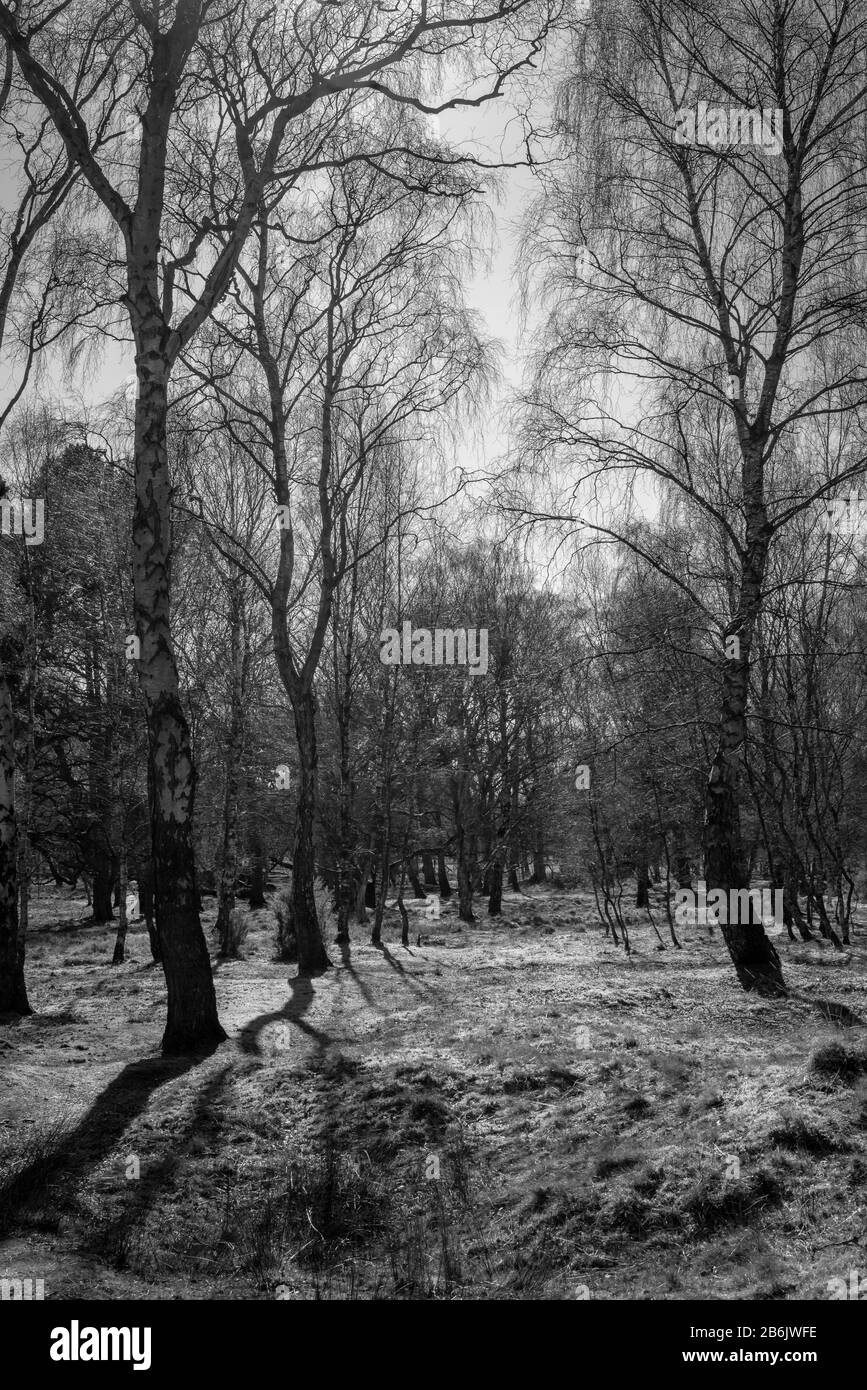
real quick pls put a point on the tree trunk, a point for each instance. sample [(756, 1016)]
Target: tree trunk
[(344, 857), (361, 894), (825, 927), (120, 939), (429, 877), (682, 869), (642, 875), (485, 874), (501, 854), (312, 956), (466, 858), (258, 870), (465, 887), (384, 880), (466, 868), (538, 875), (234, 754), (792, 906), (229, 866), (412, 871), (13, 993), (404, 915), (755, 959), (385, 833), (146, 904), (495, 901), (101, 761), (103, 889), (344, 704), (442, 877), (25, 808), (513, 821), (192, 1021)]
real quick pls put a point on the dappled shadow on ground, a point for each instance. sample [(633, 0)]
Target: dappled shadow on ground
[(572, 1111), (146, 1190), (75, 1153)]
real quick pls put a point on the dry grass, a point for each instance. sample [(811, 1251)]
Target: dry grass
[(532, 1115)]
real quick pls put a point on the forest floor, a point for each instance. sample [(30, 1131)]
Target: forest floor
[(513, 1110)]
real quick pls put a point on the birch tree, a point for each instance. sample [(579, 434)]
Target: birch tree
[(706, 248), (206, 107)]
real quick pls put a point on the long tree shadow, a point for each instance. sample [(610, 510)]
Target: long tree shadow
[(419, 986), (346, 961), (392, 960), (109, 1239), (413, 981), (74, 1152), (296, 1006)]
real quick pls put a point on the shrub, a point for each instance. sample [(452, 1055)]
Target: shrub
[(798, 1131), (324, 906), (835, 1059), (233, 933), (287, 942), (26, 1170), (713, 1202)]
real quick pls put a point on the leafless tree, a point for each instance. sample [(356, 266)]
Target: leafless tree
[(206, 107)]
